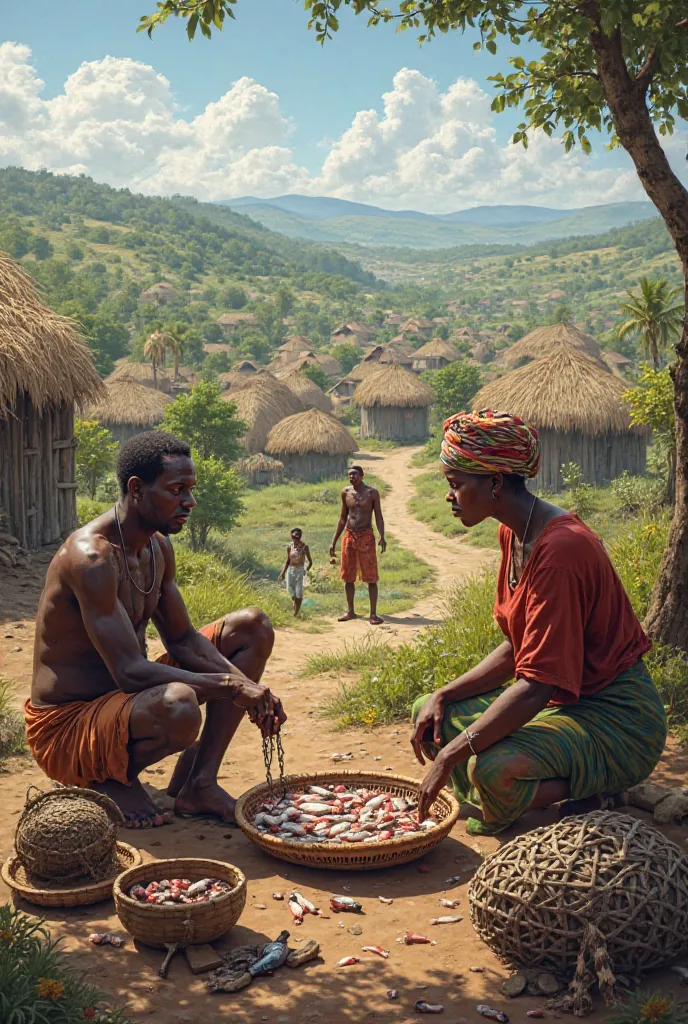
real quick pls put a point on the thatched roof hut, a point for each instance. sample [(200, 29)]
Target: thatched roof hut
[(44, 370), (142, 373), (394, 405), (544, 341), (307, 391), (261, 401), (434, 355), (128, 408), (343, 390), (579, 413), (617, 363), (260, 470), (312, 446)]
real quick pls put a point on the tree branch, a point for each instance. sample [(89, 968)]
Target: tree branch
[(649, 68)]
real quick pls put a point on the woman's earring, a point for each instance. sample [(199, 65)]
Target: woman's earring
[(494, 496)]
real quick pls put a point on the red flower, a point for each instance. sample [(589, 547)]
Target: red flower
[(89, 1012)]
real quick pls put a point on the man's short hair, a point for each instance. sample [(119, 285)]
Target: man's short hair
[(359, 469), (297, 529), (143, 456)]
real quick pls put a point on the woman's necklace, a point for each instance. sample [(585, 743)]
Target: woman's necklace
[(126, 563), (513, 579)]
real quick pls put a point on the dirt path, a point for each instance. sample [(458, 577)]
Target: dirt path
[(320, 992)]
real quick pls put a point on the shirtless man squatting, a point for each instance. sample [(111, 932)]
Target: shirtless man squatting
[(100, 711), (298, 563), (359, 558)]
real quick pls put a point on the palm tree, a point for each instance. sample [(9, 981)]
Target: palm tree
[(652, 317), (173, 345), (154, 350)]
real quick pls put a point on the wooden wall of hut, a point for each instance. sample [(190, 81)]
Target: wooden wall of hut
[(314, 467), (391, 424), (37, 485), (122, 432), (430, 363), (600, 458)]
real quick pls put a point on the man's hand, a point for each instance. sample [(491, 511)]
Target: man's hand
[(434, 782), (264, 709), (383, 545), (281, 576), (332, 550), (428, 724)]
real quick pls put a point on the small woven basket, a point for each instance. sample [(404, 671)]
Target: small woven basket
[(68, 833), (185, 924), (350, 856), (63, 893), (600, 894)]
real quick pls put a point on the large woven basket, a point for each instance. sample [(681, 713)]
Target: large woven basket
[(46, 854), (188, 923), (602, 889), (351, 856), (67, 893)]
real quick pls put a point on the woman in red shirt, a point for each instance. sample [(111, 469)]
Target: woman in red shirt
[(583, 718)]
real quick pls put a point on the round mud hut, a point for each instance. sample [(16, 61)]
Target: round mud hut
[(307, 391), (394, 405), (312, 446), (579, 413), (545, 341), (142, 373), (44, 371), (260, 470), (129, 408), (434, 355), (261, 402)]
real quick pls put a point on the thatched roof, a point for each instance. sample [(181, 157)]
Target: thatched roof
[(232, 319), (296, 344), (362, 371), (392, 356), (563, 391), (437, 349), (259, 463), (307, 391), (616, 359), (546, 340), (401, 346), (40, 352), (142, 373), (393, 387), (310, 433), (261, 401), (127, 402)]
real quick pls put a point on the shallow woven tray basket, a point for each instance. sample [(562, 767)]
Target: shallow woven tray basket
[(351, 856), (599, 894), (185, 924), (94, 859), (67, 893)]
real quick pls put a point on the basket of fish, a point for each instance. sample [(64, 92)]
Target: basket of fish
[(339, 819), (183, 901)]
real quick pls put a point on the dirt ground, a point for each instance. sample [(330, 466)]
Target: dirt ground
[(319, 991)]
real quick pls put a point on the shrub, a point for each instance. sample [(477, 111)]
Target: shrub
[(212, 588), (634, 494), (38, 985), (12, 737), (582, 494)]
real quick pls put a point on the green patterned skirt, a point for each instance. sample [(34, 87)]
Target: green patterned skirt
[(602, 744)]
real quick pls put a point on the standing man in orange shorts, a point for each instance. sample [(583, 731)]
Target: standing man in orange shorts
[(359, 558)]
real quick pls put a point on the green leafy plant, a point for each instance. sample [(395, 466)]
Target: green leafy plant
[(12, 735), (317, 375), (38, 984), (95, 454), (582, 494), (454, 387), (651, 403), (206, 422), (635, 494), (645, 1007), (218, 499), (654, 317)]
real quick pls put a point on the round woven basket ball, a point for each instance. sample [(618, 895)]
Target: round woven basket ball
[(533, 901), (68, 833)]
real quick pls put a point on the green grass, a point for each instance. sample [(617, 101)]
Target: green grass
[(12, 735), (388, 686), (430, 506), (367, 652)]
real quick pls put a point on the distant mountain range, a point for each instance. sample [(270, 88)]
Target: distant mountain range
[(323, 219)]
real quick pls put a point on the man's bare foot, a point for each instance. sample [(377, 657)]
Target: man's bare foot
[(205, 799), (375, 620), (137, 807), (182, 770), (348, 617)]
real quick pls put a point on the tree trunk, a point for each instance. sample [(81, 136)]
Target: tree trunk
[(667, 619)]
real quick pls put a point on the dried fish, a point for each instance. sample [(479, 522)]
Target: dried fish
[(347, 961), (105, 939), (392, 993), (450, 903), (383, 899), (338, 903), (447, 920), (538, 1014), (413, 939), (384, 953), (297, 910), (309, 907), (424, 1007), (498, 1015)]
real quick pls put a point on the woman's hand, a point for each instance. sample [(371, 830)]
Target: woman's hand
[(437, 777), (428, 723)]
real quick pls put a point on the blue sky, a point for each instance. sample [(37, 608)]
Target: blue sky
[(305, 138)]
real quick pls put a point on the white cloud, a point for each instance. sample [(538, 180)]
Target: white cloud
[(117, 120)]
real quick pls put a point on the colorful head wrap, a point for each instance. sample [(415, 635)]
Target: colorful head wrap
[(488, 442)]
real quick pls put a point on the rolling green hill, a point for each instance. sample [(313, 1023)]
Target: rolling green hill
[(334, 220)]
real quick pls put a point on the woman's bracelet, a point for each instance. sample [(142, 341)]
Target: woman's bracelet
[(470, 736)]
